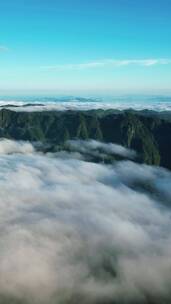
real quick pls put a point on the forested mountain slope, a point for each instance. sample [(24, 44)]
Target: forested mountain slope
[(148, 133)]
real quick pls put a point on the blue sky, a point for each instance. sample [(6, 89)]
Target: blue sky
[(74, 46)]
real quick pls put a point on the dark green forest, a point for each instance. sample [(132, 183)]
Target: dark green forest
[(147, 132)]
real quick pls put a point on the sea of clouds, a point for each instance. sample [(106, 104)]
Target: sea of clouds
[(26, 104), (73, 231)]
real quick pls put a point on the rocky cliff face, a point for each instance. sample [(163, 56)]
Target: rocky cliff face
[(149, 135)]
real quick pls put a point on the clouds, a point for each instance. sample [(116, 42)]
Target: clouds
[(79, 148), (3, 48), (109, 63), (154, 103), (99, 149), (73, 231), (8, 146)]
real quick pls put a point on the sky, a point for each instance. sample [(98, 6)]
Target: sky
[(89, 47)]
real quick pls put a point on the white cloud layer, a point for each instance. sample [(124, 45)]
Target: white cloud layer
[(75, 104), (8, 146), (109, 63), (96, 148), (78, 232)]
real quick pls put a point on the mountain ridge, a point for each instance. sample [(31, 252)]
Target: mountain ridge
[(147, 132)]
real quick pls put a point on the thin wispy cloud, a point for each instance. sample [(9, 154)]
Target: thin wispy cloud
[(3, 48), (109, 63)]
